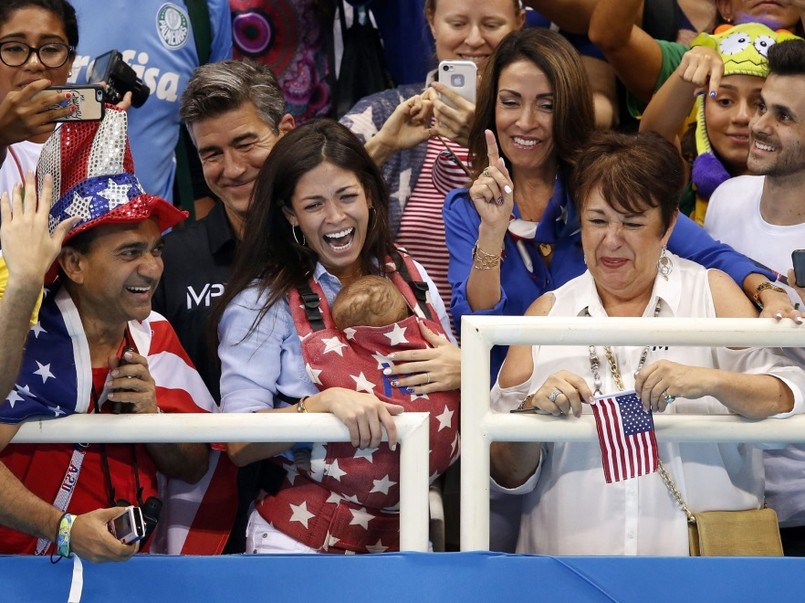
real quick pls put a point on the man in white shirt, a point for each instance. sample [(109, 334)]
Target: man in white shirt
[(763, 216)]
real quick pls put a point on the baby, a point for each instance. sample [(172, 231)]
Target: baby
[(371, 301)]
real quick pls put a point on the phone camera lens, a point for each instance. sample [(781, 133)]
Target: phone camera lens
[(445, 68)]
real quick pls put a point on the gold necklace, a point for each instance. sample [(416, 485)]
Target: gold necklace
[(595, 363)]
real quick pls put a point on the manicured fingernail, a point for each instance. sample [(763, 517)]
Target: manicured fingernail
[(408, 390), (712, 94), (392, 357), (394, 383), (798, 320), (778, 316), (507, 189), (393, 447), (387, 371)]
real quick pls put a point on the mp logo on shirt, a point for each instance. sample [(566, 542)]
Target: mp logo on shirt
[(203, 297), (173, 26)]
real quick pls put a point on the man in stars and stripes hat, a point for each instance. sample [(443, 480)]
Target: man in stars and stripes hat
[(96, 346)]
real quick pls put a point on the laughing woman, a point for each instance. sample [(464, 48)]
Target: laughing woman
[(318, 224)]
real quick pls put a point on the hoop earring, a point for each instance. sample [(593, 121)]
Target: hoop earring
[(295, 238), (664, 264), (372, 217)]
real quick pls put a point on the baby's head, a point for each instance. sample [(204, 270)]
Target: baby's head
[(371, 301)]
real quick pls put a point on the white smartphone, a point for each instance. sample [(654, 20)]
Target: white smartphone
[(129, 527), (459, 75)]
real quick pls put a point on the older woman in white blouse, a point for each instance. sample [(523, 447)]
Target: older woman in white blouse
[(626, 191)]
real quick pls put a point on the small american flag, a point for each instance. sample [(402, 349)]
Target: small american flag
[(626, 435)]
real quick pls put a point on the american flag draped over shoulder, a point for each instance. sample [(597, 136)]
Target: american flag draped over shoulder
[(626, 435)]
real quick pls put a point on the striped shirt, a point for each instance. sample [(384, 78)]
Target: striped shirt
[(421, 231)]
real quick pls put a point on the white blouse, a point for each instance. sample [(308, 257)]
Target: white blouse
[(569, 509)]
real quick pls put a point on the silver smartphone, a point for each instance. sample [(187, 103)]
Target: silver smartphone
[(129, 527), (459, 75)]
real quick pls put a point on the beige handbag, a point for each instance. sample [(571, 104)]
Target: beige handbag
[(750, 533)]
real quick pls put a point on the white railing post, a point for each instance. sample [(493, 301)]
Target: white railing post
[(480, 426), (414, 484), (412, 431), (474, 530)]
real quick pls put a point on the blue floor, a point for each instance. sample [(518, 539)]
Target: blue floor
[(417, 577)]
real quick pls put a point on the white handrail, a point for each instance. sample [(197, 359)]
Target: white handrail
[(480, 426), (412, 432)]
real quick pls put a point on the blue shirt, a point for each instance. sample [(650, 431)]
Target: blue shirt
[(256, 365), (559, 226)]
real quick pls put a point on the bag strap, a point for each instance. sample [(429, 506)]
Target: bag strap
[(184, 192), (419, 288), (65, 493), (669, 483), (312, 303), (199, 13)]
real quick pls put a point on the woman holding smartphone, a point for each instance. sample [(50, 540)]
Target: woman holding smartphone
[(37, 47), (418, 133)]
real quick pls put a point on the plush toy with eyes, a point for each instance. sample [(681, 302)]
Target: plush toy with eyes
[(744, 49)]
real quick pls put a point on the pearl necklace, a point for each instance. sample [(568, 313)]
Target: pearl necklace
[(595, 363)]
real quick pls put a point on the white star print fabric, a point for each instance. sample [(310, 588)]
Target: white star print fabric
[(359, 489)]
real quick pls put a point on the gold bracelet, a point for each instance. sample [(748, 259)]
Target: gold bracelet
[(762, 287), (482, 260), (300, 406)]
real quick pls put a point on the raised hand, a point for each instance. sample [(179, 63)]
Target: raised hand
[(702, 66), (27, 112), (492, 192), (453, 118), (28, 249)]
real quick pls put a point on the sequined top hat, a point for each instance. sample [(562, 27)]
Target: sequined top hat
[(93, 177)]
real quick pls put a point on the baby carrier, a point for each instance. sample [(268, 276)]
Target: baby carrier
[(349, 498)]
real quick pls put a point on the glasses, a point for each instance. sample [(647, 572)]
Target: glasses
[(51, 55)]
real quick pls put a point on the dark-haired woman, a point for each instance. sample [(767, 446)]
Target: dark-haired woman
[(37, 48), (319, 221)]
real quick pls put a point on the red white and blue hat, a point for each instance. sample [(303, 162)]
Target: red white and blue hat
[(93, 177)]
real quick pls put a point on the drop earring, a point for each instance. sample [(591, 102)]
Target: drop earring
[(664, 264)]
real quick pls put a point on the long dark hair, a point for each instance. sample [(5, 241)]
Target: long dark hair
[(573, 119), (269, 257)]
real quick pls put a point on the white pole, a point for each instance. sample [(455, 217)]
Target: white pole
[(412, 430), (474, 530), (480, 426), (414, 485)]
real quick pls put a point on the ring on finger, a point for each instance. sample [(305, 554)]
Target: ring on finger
[(554, 394), (485, 172), (427, 376), (668, 398)]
